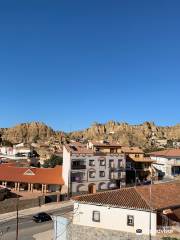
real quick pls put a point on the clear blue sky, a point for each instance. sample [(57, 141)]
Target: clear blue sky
[(70, 63)]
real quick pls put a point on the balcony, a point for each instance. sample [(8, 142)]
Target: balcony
[(77, 177), (78, 167), (114, 175), (117, 175)]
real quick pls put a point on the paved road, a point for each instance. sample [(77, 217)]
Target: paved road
[(27, 227)]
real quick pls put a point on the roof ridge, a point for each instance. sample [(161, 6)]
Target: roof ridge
[(99, 193), (141, 195)]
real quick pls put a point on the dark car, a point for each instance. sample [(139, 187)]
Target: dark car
[(146, 182), (42, 217)]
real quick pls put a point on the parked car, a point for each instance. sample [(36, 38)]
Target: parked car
[(146, 182), (42, 217)]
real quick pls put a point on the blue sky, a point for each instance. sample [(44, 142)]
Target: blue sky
[(70, 63)]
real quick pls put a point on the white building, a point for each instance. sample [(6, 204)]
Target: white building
[(16, 152), (176, 144), (167, 162), (87, 169), (128, 210), (161, 143)]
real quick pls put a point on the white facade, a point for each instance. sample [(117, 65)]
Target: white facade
[(66, 167), (165, 164), (161, 142), (176, 144), (7, 150), (89, 171), (115, 218), (12, 152)]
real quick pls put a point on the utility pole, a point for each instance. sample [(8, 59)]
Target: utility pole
[(17, 218), (150, 193)]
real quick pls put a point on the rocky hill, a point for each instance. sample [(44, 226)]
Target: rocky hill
[(29, 132), (143, 135)]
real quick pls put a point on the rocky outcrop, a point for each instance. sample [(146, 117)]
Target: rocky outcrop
[(143, 135), (28, 132)]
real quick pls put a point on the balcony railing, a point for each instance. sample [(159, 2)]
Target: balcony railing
[(117, 169), (76, 167), (116, 175), (76, 179)]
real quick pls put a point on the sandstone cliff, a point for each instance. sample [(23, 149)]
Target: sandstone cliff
[(28, 133), (142, 135)]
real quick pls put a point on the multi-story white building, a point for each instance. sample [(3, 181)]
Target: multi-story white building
[(136, 210), (91, 167), (167, 162)]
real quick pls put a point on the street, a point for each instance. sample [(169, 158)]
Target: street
[(27, 227)]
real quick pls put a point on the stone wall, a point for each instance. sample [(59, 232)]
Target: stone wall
[(10, 205), (76, 232)]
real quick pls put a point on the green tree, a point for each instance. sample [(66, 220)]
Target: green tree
[(53, 161), (6, 143)]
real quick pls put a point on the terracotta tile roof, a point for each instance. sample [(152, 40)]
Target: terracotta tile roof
[(124, 198), (166, 153), (111, 144), (162, 196), (31, 175), (142, 160), (132, 150), (78, 148)]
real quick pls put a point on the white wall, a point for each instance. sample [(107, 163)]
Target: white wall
[(60, 228), (165, 164), (11, 151), (66, 166), (97, 168), (114, 218), (6, 150)]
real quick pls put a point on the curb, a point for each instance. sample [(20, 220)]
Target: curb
[(25, 212)]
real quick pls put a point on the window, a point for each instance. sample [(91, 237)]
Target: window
[(111, 163), (91, 163), (96, 216), (113, 150), (120, 163), (102, 174), (130, 220), (136, 155), (102, 162), (92, 174)]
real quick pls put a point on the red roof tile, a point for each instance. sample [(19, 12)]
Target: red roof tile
[(124, 198), (162, 196), (36, 175), (166, 153), (78, 148)]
